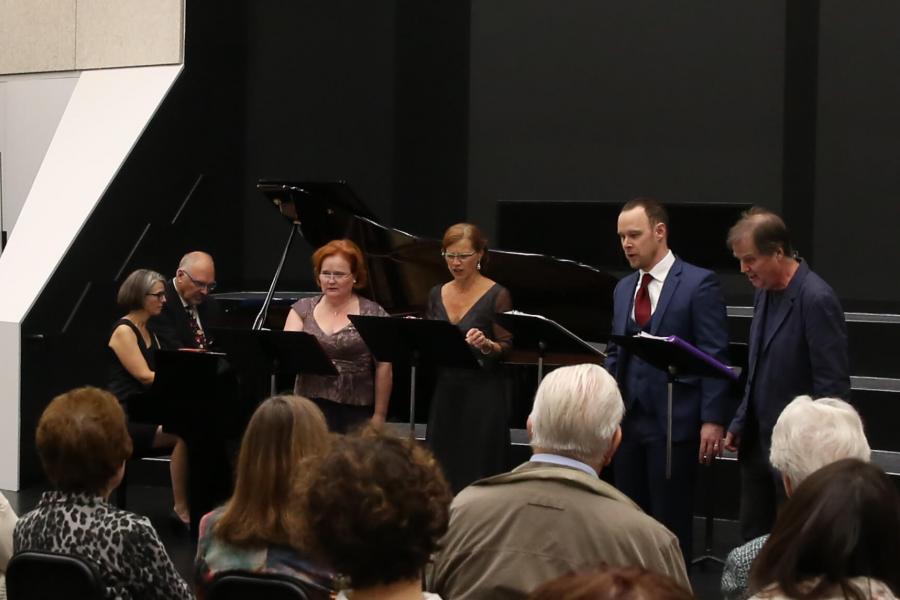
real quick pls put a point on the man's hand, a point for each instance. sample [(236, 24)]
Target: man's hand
[(377, 420), (732, 441), (710, 442)]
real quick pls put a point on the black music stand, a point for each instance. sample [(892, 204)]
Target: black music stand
[(274, 352), (538, 333), (414, 342), (676, 358), (190, 397)]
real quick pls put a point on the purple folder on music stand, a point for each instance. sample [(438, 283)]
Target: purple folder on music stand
[(673, 353), (675, 357)]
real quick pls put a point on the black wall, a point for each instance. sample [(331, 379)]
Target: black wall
[(320, 105), (857, 201), (603, 101), (435, 111)]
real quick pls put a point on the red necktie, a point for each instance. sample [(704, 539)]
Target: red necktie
[(642, 302), (199, 337)]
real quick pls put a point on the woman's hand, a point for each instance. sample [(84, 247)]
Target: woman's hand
[(477, 339)]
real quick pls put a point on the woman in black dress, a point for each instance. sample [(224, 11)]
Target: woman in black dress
[(468, 428), (132, 368)]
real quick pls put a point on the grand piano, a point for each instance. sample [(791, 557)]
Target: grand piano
[(403, 267)]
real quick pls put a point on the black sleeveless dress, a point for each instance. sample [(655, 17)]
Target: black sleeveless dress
[(131, 392), (468, 425)]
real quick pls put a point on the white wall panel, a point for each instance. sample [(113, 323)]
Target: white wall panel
[(30, 109), (37, 35), (106, 115), (118, 33)]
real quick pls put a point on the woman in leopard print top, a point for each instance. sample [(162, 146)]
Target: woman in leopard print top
[(83, 444)]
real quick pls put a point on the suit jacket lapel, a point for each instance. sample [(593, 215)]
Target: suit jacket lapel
[(668, 290), (787, 303), (179, 314), (626, 299)]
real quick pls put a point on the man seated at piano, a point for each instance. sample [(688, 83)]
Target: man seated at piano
[(189, 310), (132, 371), (362, 389), (468, 428)]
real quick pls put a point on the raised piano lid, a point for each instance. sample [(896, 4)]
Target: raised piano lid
[(403, 267)]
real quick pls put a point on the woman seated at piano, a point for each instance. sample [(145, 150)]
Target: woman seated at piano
[(132, 372), (362, 388), (468, 428)]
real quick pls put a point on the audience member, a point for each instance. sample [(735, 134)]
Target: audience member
[(612, 583), (807, 436), (553, 515), (7, 524), (376, 506), (837, 537), (132, 370), (83, 443), (259, 528)]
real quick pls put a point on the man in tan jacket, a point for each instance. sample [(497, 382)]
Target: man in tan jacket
[(552, 515)]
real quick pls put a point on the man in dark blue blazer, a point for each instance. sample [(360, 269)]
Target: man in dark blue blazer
[(666, 296), (797, 346)]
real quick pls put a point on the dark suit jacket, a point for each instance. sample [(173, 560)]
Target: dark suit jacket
[(171, 325), (690, 306), (806, 352)]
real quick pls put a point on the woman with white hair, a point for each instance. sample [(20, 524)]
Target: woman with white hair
[(808, 435)]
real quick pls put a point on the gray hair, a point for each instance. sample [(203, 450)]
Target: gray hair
[(576, 412), (810, 434), (191, 258), (135, 288)]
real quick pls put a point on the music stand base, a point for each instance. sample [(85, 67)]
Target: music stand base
[(412, 401), (700, 560)]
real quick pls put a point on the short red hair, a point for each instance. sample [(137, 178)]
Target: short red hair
[(350, 252), (82, 440)]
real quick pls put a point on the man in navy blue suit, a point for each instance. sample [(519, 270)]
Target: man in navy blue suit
[(798, 346), (666, 296)]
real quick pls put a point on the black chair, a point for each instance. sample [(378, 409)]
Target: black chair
[(240, 585), (33, 575)]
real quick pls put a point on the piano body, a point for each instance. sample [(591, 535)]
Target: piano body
[(404, 267)]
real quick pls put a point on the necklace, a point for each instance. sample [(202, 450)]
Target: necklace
[(335, 312)]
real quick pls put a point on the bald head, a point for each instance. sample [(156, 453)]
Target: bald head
[(196, 277), (196, 258)]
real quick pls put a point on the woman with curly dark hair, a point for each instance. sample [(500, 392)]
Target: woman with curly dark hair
[(838, 537), (376, 506)]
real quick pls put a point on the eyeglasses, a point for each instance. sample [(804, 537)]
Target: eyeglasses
[(334, 275), (207, 285), (159, 295), (457, 255)]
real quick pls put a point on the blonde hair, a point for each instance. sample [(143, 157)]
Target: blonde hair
[(283, 431)]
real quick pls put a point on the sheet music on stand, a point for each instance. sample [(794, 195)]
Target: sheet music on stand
[(414, 342), (542, 335)]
